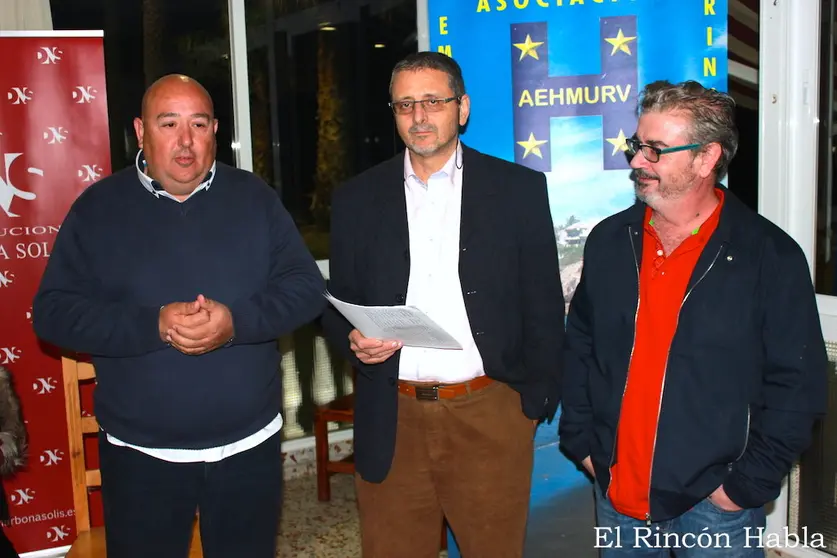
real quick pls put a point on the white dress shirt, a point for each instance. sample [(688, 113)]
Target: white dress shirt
[(433, 216)]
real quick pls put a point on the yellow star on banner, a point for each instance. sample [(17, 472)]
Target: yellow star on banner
[(528, 48), (532, 145), (620, 42), (618, 143)]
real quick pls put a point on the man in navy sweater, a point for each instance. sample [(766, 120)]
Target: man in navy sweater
[(177, 277)]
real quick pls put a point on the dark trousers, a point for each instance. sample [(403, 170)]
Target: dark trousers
[(467, 459), (149, 505)]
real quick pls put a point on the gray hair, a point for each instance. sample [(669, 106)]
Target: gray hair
[(432, 61), (712, 115)]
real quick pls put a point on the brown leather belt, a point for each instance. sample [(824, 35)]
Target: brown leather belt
[(434, 392)]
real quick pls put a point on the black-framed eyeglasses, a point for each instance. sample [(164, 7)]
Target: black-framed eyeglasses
[(430, 105), (653, 153)]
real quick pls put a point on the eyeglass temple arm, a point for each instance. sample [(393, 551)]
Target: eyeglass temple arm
[(679, 148)]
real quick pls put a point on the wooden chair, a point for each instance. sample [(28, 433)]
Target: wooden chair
[(90, 542), (341, 410)]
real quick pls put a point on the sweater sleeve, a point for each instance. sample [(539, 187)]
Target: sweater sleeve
[(293, 293), (71, 311)]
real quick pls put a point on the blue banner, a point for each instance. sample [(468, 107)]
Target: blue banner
[(554, 86)]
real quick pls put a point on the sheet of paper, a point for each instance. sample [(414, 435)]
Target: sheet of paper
[(407, 324)]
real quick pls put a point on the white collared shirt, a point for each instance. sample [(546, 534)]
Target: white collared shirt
[(154, 187), (208, 455), (433, 216)]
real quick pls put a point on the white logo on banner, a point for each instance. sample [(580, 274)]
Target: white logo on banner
[(51, 457), (29, 315), (6, 278), (8, 191), (50, 55), (56, 135), (20, 95), (58, 533), (22, 496), (90, 173), (9, 354), (42, 386), (84, 93)]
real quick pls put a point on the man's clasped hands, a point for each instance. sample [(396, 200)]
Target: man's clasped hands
[(197, 327)]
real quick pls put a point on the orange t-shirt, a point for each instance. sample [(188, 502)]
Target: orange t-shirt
[(662, 286)]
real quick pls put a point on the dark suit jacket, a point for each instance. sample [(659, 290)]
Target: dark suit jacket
[(508, 267)]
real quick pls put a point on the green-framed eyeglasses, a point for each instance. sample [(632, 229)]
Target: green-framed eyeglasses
[(653, 153)]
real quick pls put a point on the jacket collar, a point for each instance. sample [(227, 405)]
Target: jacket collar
[(477, 188), (732, 213)]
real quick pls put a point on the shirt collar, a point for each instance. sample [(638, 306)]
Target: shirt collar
[(157, 189), (453, 163)]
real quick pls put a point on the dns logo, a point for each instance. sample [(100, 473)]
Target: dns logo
[(58, 533), (20, 95), (9, 354), (90, 173), (8, 191), (51, 457), (22, 496), (56, 134), (49, 55), (84, 94), (42, 386)]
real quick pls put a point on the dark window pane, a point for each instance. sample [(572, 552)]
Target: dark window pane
[(319, 87), (146, 39), (319, 77), (743, 28), (825, 276)]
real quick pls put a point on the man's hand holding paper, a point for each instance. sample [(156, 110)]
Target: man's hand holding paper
[(370, 350), (405, 325)]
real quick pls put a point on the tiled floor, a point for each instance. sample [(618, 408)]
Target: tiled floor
[(561, 519), (314, 529)]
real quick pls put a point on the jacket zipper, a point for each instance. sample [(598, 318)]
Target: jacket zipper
[(746, 436), (633, 346), (665, 373)]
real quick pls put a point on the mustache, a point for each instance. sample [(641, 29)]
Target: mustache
[(418, 128), (640, 174)]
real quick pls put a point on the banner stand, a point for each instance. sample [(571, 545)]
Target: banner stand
[(554, 86), (54, 143)]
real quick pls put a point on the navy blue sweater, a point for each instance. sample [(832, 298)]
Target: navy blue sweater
[(122, 253)]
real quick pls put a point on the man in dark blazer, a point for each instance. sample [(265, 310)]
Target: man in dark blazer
[(469, 240)]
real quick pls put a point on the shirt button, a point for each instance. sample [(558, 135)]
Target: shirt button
[(659, 252)]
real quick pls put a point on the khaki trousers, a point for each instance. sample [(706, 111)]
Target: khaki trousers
[(468, 460)]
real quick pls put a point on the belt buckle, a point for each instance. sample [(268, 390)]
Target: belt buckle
[(427, 393)]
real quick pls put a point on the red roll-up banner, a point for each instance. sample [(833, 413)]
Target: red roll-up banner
[(54, 143)]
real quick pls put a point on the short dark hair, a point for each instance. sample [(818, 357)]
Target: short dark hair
[(429, 60), (712, 113)]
